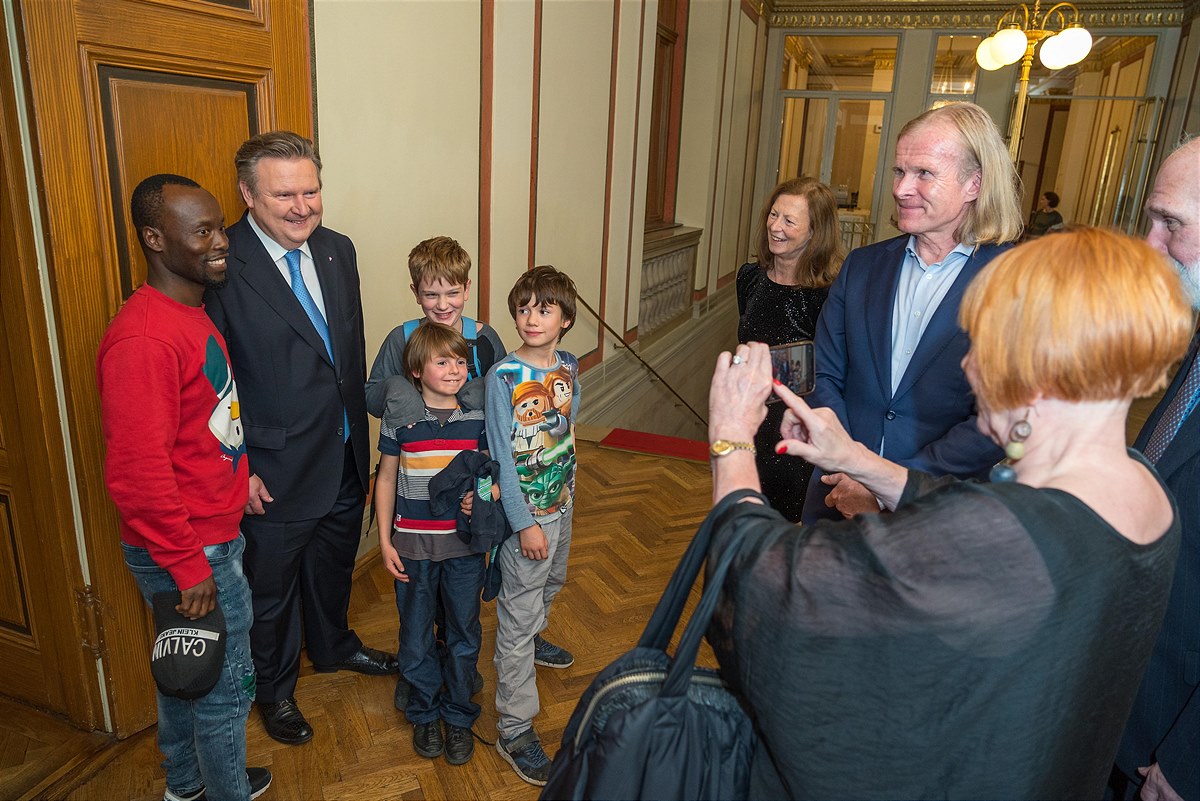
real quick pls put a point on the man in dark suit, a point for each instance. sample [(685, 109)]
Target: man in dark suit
[(292, 317), (888, 345), (1161, 746)]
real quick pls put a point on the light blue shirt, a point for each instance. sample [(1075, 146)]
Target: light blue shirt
[(919, 292), (308, 270)]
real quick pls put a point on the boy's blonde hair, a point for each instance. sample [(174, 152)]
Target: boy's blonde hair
[(439, 257), (429, 341)]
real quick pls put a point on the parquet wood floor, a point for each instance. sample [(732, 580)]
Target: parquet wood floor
[(634, 516), (37, 750)]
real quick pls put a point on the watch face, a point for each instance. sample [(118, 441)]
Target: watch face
[(720, 448)]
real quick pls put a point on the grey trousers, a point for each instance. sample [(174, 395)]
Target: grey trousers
[(522, 607)]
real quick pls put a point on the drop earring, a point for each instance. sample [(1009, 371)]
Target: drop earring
[(1014, 449)]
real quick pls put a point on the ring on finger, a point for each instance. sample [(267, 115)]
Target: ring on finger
[(737, 359)]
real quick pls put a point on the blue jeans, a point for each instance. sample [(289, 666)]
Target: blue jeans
[(460, 580), (204, 740)]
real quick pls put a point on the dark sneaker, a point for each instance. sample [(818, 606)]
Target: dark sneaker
[(547, 654), (400, 697), (259, 778), (460, 745), (427, 739), (524, 752), (477, 683)]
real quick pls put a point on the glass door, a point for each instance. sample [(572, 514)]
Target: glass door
[(838, 141), (1090, 132), (1135, 172), (835, 91)]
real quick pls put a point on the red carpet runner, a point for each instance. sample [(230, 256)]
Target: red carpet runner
[(622, 439)]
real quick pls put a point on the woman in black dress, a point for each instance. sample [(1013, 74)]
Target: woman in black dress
[(779, 298)]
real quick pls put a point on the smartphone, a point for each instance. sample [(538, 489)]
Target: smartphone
[(792, 366)]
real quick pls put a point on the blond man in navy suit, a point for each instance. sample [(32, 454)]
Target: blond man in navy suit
[(889, 348), (292, 317)]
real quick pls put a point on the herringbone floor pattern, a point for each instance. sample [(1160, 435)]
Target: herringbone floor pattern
[(634, 517)]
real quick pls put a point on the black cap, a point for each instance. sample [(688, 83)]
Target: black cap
[(188, 654)]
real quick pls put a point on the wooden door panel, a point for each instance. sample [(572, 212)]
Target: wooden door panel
[(14, 611), (23, 665), (121, 89), (137, 145)]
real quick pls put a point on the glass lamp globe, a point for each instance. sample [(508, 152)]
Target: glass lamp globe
[(1052, 53), (1074, 44), (1009, 45), (984, 57)]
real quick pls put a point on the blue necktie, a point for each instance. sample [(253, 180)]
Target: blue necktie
[(306, 300), (300, 290), (1179, 408)]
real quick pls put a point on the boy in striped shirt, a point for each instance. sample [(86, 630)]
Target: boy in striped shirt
[(424, 553)]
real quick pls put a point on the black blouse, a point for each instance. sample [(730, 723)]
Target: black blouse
[(982, 641), (775, 313)]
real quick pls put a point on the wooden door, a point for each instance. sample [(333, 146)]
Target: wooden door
[(42, 642), (122, 89)]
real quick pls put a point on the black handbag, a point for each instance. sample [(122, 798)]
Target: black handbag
[(653, 726)]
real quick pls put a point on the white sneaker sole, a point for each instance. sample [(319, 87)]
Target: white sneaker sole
[(555, 665), (508, 758)]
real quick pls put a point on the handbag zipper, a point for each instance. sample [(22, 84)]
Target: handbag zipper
[(633, 678)]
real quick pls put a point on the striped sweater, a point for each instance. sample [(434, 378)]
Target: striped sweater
[(424, 450)]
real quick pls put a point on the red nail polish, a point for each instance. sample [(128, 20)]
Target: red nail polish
[(777, 382), (781, 448)]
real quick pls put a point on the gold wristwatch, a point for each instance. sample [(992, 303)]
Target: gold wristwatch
[(724, 447)]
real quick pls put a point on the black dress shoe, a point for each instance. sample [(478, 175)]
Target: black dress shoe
[(364, 660), (284, 722), (460, 745), (427, 739)]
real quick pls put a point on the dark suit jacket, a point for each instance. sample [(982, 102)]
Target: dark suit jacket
[(929, 424), (291, 396), (1165, 723)]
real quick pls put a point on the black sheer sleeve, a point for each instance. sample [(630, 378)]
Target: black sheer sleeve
[(920, 484)]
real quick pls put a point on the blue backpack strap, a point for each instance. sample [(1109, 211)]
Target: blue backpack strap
[(411, 326), (471, 333)]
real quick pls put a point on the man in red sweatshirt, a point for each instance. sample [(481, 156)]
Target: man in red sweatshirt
[(176, 469)]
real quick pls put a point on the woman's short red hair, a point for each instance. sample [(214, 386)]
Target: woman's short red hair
[(1082, 315)]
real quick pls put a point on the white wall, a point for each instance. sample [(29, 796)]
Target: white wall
[(401, 133), (398, 128), (700, 141)]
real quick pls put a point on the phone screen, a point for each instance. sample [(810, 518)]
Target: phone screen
[(792, 366)]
